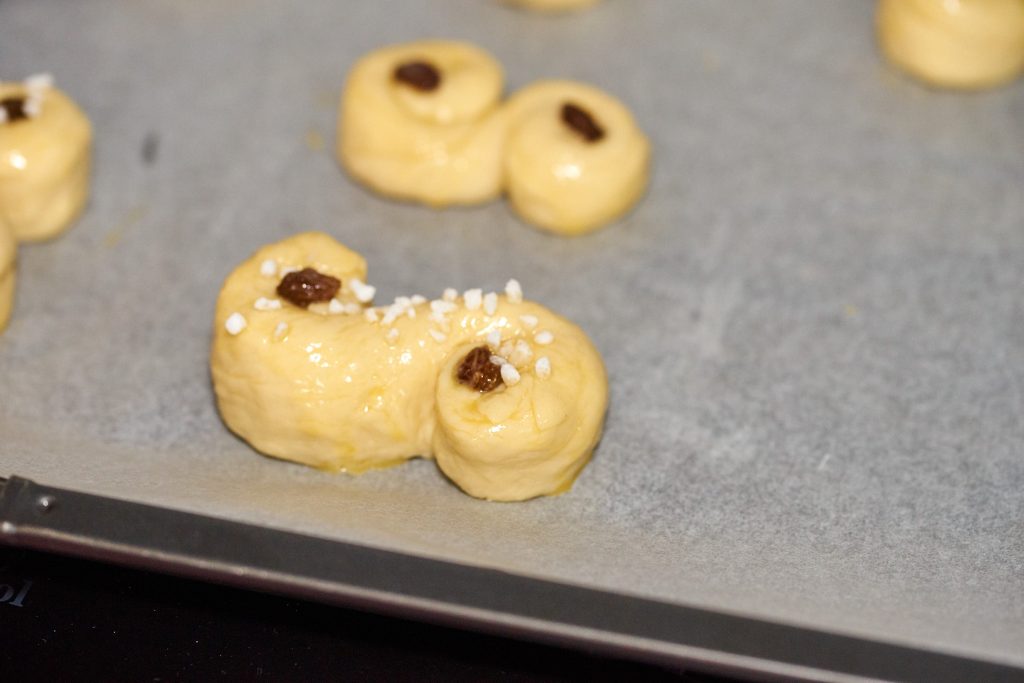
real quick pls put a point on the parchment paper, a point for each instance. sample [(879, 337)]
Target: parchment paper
[(813, 323)]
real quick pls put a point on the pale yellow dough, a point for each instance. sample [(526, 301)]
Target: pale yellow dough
[(458, 144), (558, 180), (44, 166), (8, 254), (552, 5), (438, 147), (343, 392), (954, 43)]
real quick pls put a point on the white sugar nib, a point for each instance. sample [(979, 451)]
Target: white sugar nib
[(509, 374), (473, 298), (39, 81), (490, 303), (364, 292), (514, 292), (235, 323)]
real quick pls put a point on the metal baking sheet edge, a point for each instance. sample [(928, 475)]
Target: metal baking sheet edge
[(61, 521)]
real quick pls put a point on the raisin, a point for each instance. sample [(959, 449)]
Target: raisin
[(419, 75), (14, 108), (307, 286), (478, 372), (580, 121)]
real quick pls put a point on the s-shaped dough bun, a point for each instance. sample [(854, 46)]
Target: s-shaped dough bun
[(954, 43), (8, 265), (418, 122), (552, 5), (45, 142), (509, 397), (422, 121), (575, 158)]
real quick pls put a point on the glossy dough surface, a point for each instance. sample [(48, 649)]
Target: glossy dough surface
[(438, 147), (44, 166), (954, 43), (557, 179), (342, 391)]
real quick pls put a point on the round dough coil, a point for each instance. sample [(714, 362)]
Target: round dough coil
[(438, 145), (575, 158), (954, 43)]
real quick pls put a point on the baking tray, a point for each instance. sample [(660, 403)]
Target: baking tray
[(813, 328)]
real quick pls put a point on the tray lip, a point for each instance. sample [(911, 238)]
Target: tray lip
[(464, 596)]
